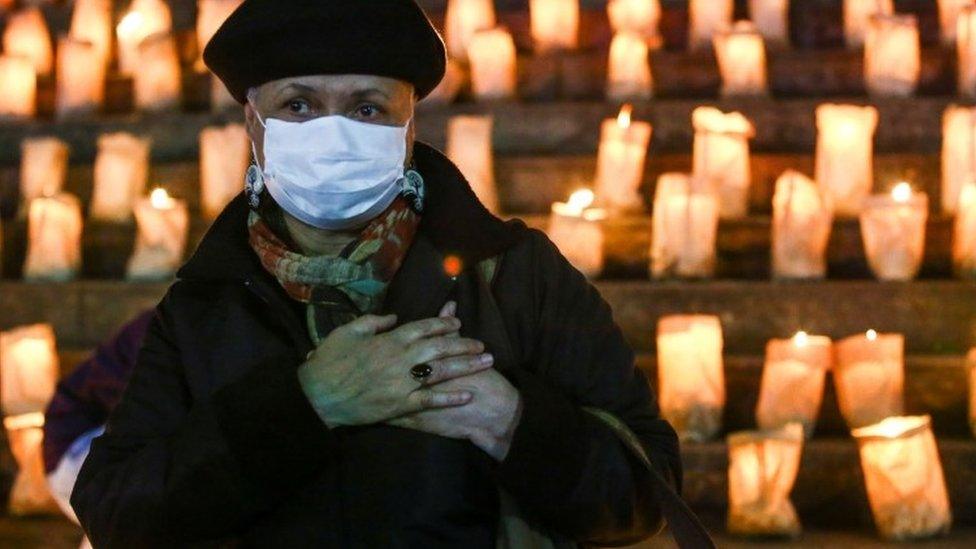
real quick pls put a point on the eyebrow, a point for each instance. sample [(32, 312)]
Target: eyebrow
[(371, 91), (296, 87)]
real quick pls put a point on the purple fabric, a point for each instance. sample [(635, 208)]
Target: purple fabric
[(84, 399)]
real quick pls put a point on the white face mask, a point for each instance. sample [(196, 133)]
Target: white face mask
[(332, 172)]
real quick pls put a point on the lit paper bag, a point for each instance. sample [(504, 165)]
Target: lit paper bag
[(721, 158), (904, 479), (691, 381), (161, 241), (964, 238), (29, 494), (224, 156), (971, 367), (469, 146), (741, 54), (43, 167), (54, 228), (792, 384), (892, 56), (28, 369), (685, 229), (802, 220), (869, 377), (762, 469), (121, 174), (845, 155)]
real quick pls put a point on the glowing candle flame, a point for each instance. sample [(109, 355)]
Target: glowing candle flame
[(801, 339), (623, 119), (902, 192), (160, 199), (872, 335), (130, 24), (580, 200)]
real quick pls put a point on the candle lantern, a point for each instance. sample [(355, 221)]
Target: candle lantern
[(492, 57), (224, 157), (966, 52), (554, 24), (793, 381), (691, 384), (577, 230), (462, 20), (802, 221), (469, 147), (772, 18), (54, 238), (28, 368), (741, 56), (705, 19), (121, 173), (971, 367), (29, 494), (893, 230), (892, 56), (869, 377), (845, 155), (91, 21), (964, 238), (949, 12), (958, 153), (157, 82), (43, 167), (721, 157), (685, 227), (762, 469), (211, 14), (904, 479), (80, 78), (161, 240), (27, 35), (620, 161), (144, 18), (857, 17), (447, 90), (637, 16), (628, 70), (18, 87)]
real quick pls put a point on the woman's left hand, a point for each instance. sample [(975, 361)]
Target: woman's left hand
[(488, 420)]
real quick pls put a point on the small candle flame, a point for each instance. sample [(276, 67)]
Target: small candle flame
[(130, 24), (872, 335), (160, 199), (581, 200), (902, 192), (623, 119), (801, 339)]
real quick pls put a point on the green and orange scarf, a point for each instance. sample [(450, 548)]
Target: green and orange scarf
[(358, 276)]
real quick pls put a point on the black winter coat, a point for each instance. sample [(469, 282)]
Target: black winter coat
[(214, 442)]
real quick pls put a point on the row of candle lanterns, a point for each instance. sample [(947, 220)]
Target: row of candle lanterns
[(899, 458), (898, 455), (82, 59), (145, 39)]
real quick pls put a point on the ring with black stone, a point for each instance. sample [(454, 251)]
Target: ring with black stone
[(421, 372)]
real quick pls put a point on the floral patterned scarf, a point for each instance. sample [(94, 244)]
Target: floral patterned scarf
[(340, 288)]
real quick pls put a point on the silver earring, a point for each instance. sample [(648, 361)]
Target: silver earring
[(254, 185)]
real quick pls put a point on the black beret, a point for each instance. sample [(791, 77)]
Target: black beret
[(266, 40)]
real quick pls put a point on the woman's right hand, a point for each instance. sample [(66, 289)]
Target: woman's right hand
[(360, 373)]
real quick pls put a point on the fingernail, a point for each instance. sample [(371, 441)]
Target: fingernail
[(486, 359)]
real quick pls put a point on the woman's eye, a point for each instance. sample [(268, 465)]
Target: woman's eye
[(299, 106), (368, 111)]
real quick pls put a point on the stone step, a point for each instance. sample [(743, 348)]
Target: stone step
[(743, 248), (57, 533), (530, 184), (938, 317), (934, 385), (524, 128)]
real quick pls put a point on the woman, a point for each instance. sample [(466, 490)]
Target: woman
[(358, 354)]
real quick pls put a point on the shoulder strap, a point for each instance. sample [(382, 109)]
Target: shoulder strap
[(687, 530)]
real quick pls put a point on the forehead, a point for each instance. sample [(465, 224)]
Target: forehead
[(339, 85)]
